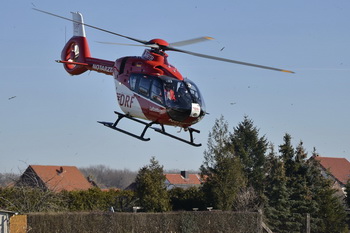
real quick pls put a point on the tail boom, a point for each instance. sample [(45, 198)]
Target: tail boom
[(94, 64)]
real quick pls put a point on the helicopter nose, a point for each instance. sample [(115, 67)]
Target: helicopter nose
[(183, 114), (179, 114)]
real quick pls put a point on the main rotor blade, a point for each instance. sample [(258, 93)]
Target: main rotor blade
[(175, 44), (191, 41), (227, 60), (155, 46), (91, 26), (181, 43)]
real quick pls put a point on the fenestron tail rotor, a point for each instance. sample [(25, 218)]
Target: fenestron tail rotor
[(162, 45)]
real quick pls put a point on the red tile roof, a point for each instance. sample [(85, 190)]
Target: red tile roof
[(338, 167), (58, 178), (178, 179)]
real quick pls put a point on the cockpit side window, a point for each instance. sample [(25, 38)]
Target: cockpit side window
[(157, 91), (183, 94), (194, 92), (144, 86)]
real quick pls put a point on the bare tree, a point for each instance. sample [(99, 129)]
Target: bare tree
[(29, 194), (246, 200), (7, 179), (106, 177)]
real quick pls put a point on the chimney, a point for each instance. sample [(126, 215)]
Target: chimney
[(185, 174), (60, 171)]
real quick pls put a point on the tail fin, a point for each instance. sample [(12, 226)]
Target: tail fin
[(76, 50), (76, 57), (78, 24)]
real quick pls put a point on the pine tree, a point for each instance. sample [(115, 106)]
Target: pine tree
[(287, 155), (330, 214), (295, 183), (277, 209), (150, 188), (221, 169), (310, 192), (251, 149), (301, 198)]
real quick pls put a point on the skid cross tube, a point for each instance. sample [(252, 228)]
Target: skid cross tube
[(147, 126), (190, 130), (121, 116)]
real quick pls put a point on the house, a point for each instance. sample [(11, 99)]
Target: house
[(54, 178), (337, 169), (182, 180), (5, 216)]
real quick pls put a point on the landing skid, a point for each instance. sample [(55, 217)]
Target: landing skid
[(121, 116), (147, 126), (190, 130)]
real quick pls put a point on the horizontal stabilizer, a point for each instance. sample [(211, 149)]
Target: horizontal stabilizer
[(72, 63)]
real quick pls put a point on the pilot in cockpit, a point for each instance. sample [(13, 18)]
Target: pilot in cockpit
[(169, 92)]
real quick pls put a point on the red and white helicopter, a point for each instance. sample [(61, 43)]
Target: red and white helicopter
[(147, 86)]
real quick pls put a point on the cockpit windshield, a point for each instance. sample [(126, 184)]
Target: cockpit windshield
[(181, 93), (181, 98)]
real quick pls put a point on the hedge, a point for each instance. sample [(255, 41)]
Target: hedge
[(184, 222)]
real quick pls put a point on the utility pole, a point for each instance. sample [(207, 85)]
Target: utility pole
[(308, 230)]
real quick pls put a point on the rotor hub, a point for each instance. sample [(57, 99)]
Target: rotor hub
[(159, 42)]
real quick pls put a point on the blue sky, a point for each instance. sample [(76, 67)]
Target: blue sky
[(52, 119)]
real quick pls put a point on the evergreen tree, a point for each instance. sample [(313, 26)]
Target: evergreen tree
[(150, 188), (287, 155), (221, 169), (277, 209), (295, 169), (310, 192), (187, 199), (251, 149), (301, 197), (330, 214)]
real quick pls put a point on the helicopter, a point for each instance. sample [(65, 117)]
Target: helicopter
[(149, 90)]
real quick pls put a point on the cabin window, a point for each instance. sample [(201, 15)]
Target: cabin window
[(144, 86), (133, 80), (157, 91)]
